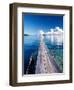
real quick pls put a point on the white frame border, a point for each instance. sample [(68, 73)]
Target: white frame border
[(51, 77)]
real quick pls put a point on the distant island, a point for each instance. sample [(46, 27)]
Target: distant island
[(26, 35)]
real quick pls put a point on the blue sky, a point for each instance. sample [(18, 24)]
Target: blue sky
[(33, 23)]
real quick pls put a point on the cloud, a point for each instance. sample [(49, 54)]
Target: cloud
[(59, 29), (41, 32), (56, 30)]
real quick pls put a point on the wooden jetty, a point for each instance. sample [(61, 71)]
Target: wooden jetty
[(45, 62)]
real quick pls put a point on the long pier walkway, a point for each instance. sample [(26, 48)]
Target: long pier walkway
[(45, 62)]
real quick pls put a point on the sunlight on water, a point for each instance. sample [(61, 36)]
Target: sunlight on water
[(54, 44), (58, 39)]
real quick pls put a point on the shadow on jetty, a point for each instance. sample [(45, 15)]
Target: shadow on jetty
[(32, 64)]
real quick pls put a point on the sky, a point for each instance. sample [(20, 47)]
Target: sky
[(33, 23)]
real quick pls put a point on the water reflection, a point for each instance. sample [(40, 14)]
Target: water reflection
[(57, 39)]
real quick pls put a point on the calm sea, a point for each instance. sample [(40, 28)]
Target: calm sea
[(54, 44)]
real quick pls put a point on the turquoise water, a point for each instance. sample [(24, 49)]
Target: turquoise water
[(31, 45), (55, 47)]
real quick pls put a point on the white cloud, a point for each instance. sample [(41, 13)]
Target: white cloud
[(56, 30), (59, 29), (41, 32)]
